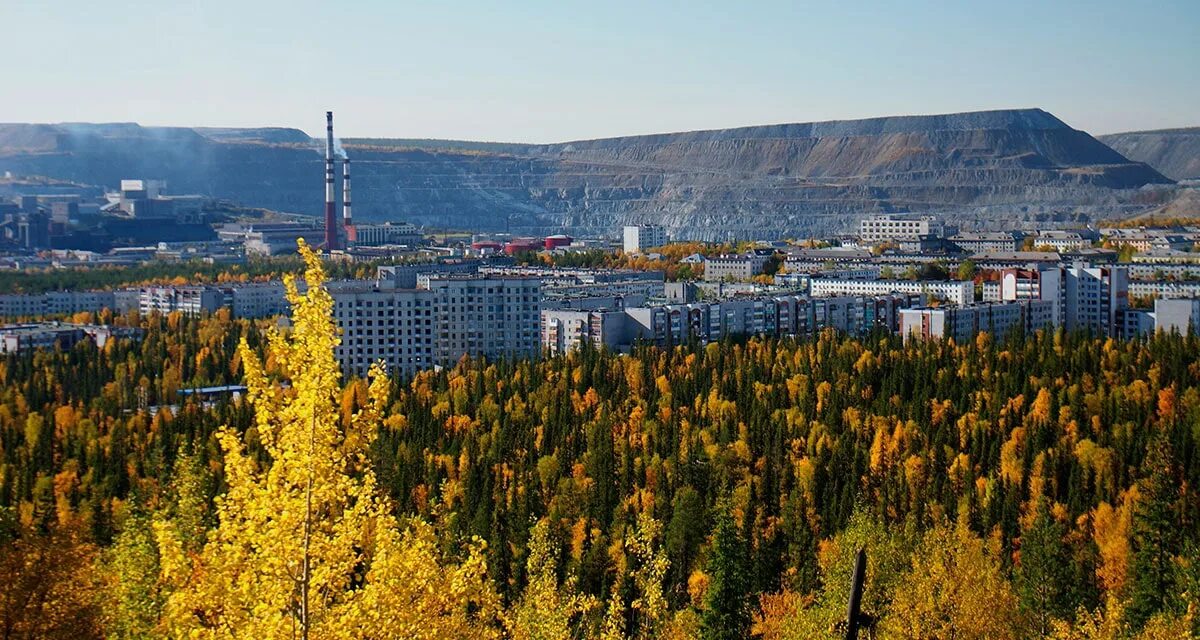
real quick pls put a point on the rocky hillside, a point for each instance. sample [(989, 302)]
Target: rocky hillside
[(1175, 153), (983, 170)]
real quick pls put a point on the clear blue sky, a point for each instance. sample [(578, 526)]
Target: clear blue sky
[(561, 70)]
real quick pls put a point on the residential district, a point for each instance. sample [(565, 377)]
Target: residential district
[(432, 301)]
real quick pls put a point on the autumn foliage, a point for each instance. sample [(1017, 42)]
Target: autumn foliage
[(1010, 487)]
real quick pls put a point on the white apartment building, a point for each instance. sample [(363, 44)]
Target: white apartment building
[(953, 291), (988, 242), (1182, 316), (892, 227), (1066, 240), (736, 267), (257, 299), (494, 316), (638, 238), (963, 323), (385, 324), (190, 299), (1165, 288), (1084, 297), (1093, 297), (564, 330)]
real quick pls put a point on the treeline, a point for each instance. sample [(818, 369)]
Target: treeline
[(161, 272), (1040, 486)]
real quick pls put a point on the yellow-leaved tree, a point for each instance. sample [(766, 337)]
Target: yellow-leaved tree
[(305, 545)]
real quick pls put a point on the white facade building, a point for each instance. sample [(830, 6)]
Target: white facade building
[(189, 300), (892, 227), (638, 238), (497, 316), (958, 292), (385, 324), (963, 323)]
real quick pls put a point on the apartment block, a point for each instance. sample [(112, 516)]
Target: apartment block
[(962, 323), (1182, 316), (563, 330), (190, 299), (987, 241), (1068, 240), (1164, 288), (736, 267), (892, 227), (954, 291), (491, 316), (257, 299), (383, 324), (1093, 297), (638, 238)]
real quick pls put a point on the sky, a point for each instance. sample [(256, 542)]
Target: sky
[(533, 71)]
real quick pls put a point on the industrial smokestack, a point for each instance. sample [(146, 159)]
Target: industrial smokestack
[(331, 226), (347, 219)]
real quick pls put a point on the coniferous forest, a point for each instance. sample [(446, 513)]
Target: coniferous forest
[(1021, 486)]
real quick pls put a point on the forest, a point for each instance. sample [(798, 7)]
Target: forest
[(1025, 486)]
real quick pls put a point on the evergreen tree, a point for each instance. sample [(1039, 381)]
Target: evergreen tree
[(727, 603), (1044, 578), (1155, 538)]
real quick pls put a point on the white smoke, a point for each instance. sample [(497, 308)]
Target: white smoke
[(318, 145)]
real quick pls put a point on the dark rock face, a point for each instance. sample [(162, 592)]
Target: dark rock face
[(995, 169), (1175, 153)]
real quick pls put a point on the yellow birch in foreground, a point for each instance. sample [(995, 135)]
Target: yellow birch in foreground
[(306, 547)]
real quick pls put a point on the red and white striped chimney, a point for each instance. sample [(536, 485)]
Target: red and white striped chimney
[(347, 219), (331, 223)]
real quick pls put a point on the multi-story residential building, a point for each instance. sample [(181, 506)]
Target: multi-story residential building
[(63, 302), (1067, 240), (381, 323), (1084, 296), (962, 323), (1034, 282), (257, 299), (1162, 271), (16, 338), (638, 238), (1178, 315), (404, 276), (737, 267), (1167, 257), (989, 241), (563, 330), (1148, 239), (954, 291), (48, 335), (1132, 323), (492, 316), (189, 299), (895, 227), (1164, 288), (126, 300), (19, 305), (1093, 297)]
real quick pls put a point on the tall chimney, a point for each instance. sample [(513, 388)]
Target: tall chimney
[(347, 220), (331, 229)]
